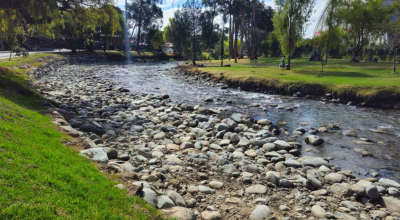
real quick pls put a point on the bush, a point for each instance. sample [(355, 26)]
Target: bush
[(17, 51), (205, 56), (25, 52)]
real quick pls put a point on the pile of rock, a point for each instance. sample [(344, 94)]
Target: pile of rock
[(215, 167)]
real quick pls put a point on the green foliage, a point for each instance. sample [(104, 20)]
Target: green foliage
[(158, 39), (289, 19), (365, 22), (273, 46)]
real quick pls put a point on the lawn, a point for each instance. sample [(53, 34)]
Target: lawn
[(336, 72), (40, 177)]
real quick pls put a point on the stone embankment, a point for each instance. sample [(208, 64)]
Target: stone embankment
[(214, 167)]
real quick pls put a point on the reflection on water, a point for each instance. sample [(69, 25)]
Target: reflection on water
[(151, 78)]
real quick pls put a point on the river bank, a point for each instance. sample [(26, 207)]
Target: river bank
[(364, 85), (216, 166)]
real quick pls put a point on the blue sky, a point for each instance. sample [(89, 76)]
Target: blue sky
[(170, 6)]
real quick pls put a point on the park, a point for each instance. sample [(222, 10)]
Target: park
[(207, 110)]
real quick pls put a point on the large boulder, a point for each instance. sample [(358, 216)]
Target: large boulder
[(150, 196), (96, 154), (165, 202), (176, 198), (372, 192), (390, 203), (388, 183)]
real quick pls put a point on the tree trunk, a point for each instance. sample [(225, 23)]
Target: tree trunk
[(1, 41), (230, 38), (290, 37), (254, 25), (140, 25), (10, 55), (241, 36), (194, 43), (71, 45), (235, 49), (394, 61), (222, 46), (327, 46)]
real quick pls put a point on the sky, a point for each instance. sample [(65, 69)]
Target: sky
[(170, 6)]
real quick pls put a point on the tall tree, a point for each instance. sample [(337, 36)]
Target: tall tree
[(332, 23), (364, 21), (146, 15), (193, 9), (289, 20)]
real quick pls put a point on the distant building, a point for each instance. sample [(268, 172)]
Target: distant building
[(167, 48)]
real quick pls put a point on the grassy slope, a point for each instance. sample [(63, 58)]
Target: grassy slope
[(40, 178), (365, 77)]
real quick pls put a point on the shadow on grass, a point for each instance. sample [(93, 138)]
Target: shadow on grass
[(334, 74)]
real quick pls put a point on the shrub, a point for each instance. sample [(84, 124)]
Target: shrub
[(25, 52)]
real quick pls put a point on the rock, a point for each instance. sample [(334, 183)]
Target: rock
[(341, 189), (173, 147), (228, 169), (315, 178), (260, 212), (256, 189), (158, 136), (221, 127), (269, 147), (319, 161), (176, 197), (186, 145), (205, 189), (282, 145), (111, 153), (390, 203), (284, 208), (216, 184), (285, 183), (150, 196), (321, 192), (372, 192), (388, 183), (193, 189), (244, 142), (334, 178), (165, 202), (215, 147), (180, 213), (350, 205), (318, 211), (211, 215), (360, 190), (393, 192), (314, 140), (273, 177), (96, 154), (350, 133), (293, 163), (264, 122)]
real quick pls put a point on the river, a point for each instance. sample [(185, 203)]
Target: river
[(153, 78)]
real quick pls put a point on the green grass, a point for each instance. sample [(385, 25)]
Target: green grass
[(40, 178), (367, 78)]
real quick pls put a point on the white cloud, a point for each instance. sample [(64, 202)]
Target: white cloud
[(169, 13)]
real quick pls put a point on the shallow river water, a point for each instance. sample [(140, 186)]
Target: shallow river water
[(152, 78)]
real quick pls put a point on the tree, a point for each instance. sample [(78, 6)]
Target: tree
[(363, 21), (289, 19), (157, 40), (193, 9), (177, 32), (146, 15), (332, 24), (393, 30)]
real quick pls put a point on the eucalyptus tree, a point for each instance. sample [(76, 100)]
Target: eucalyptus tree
[(146, 15), (289, 20)]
